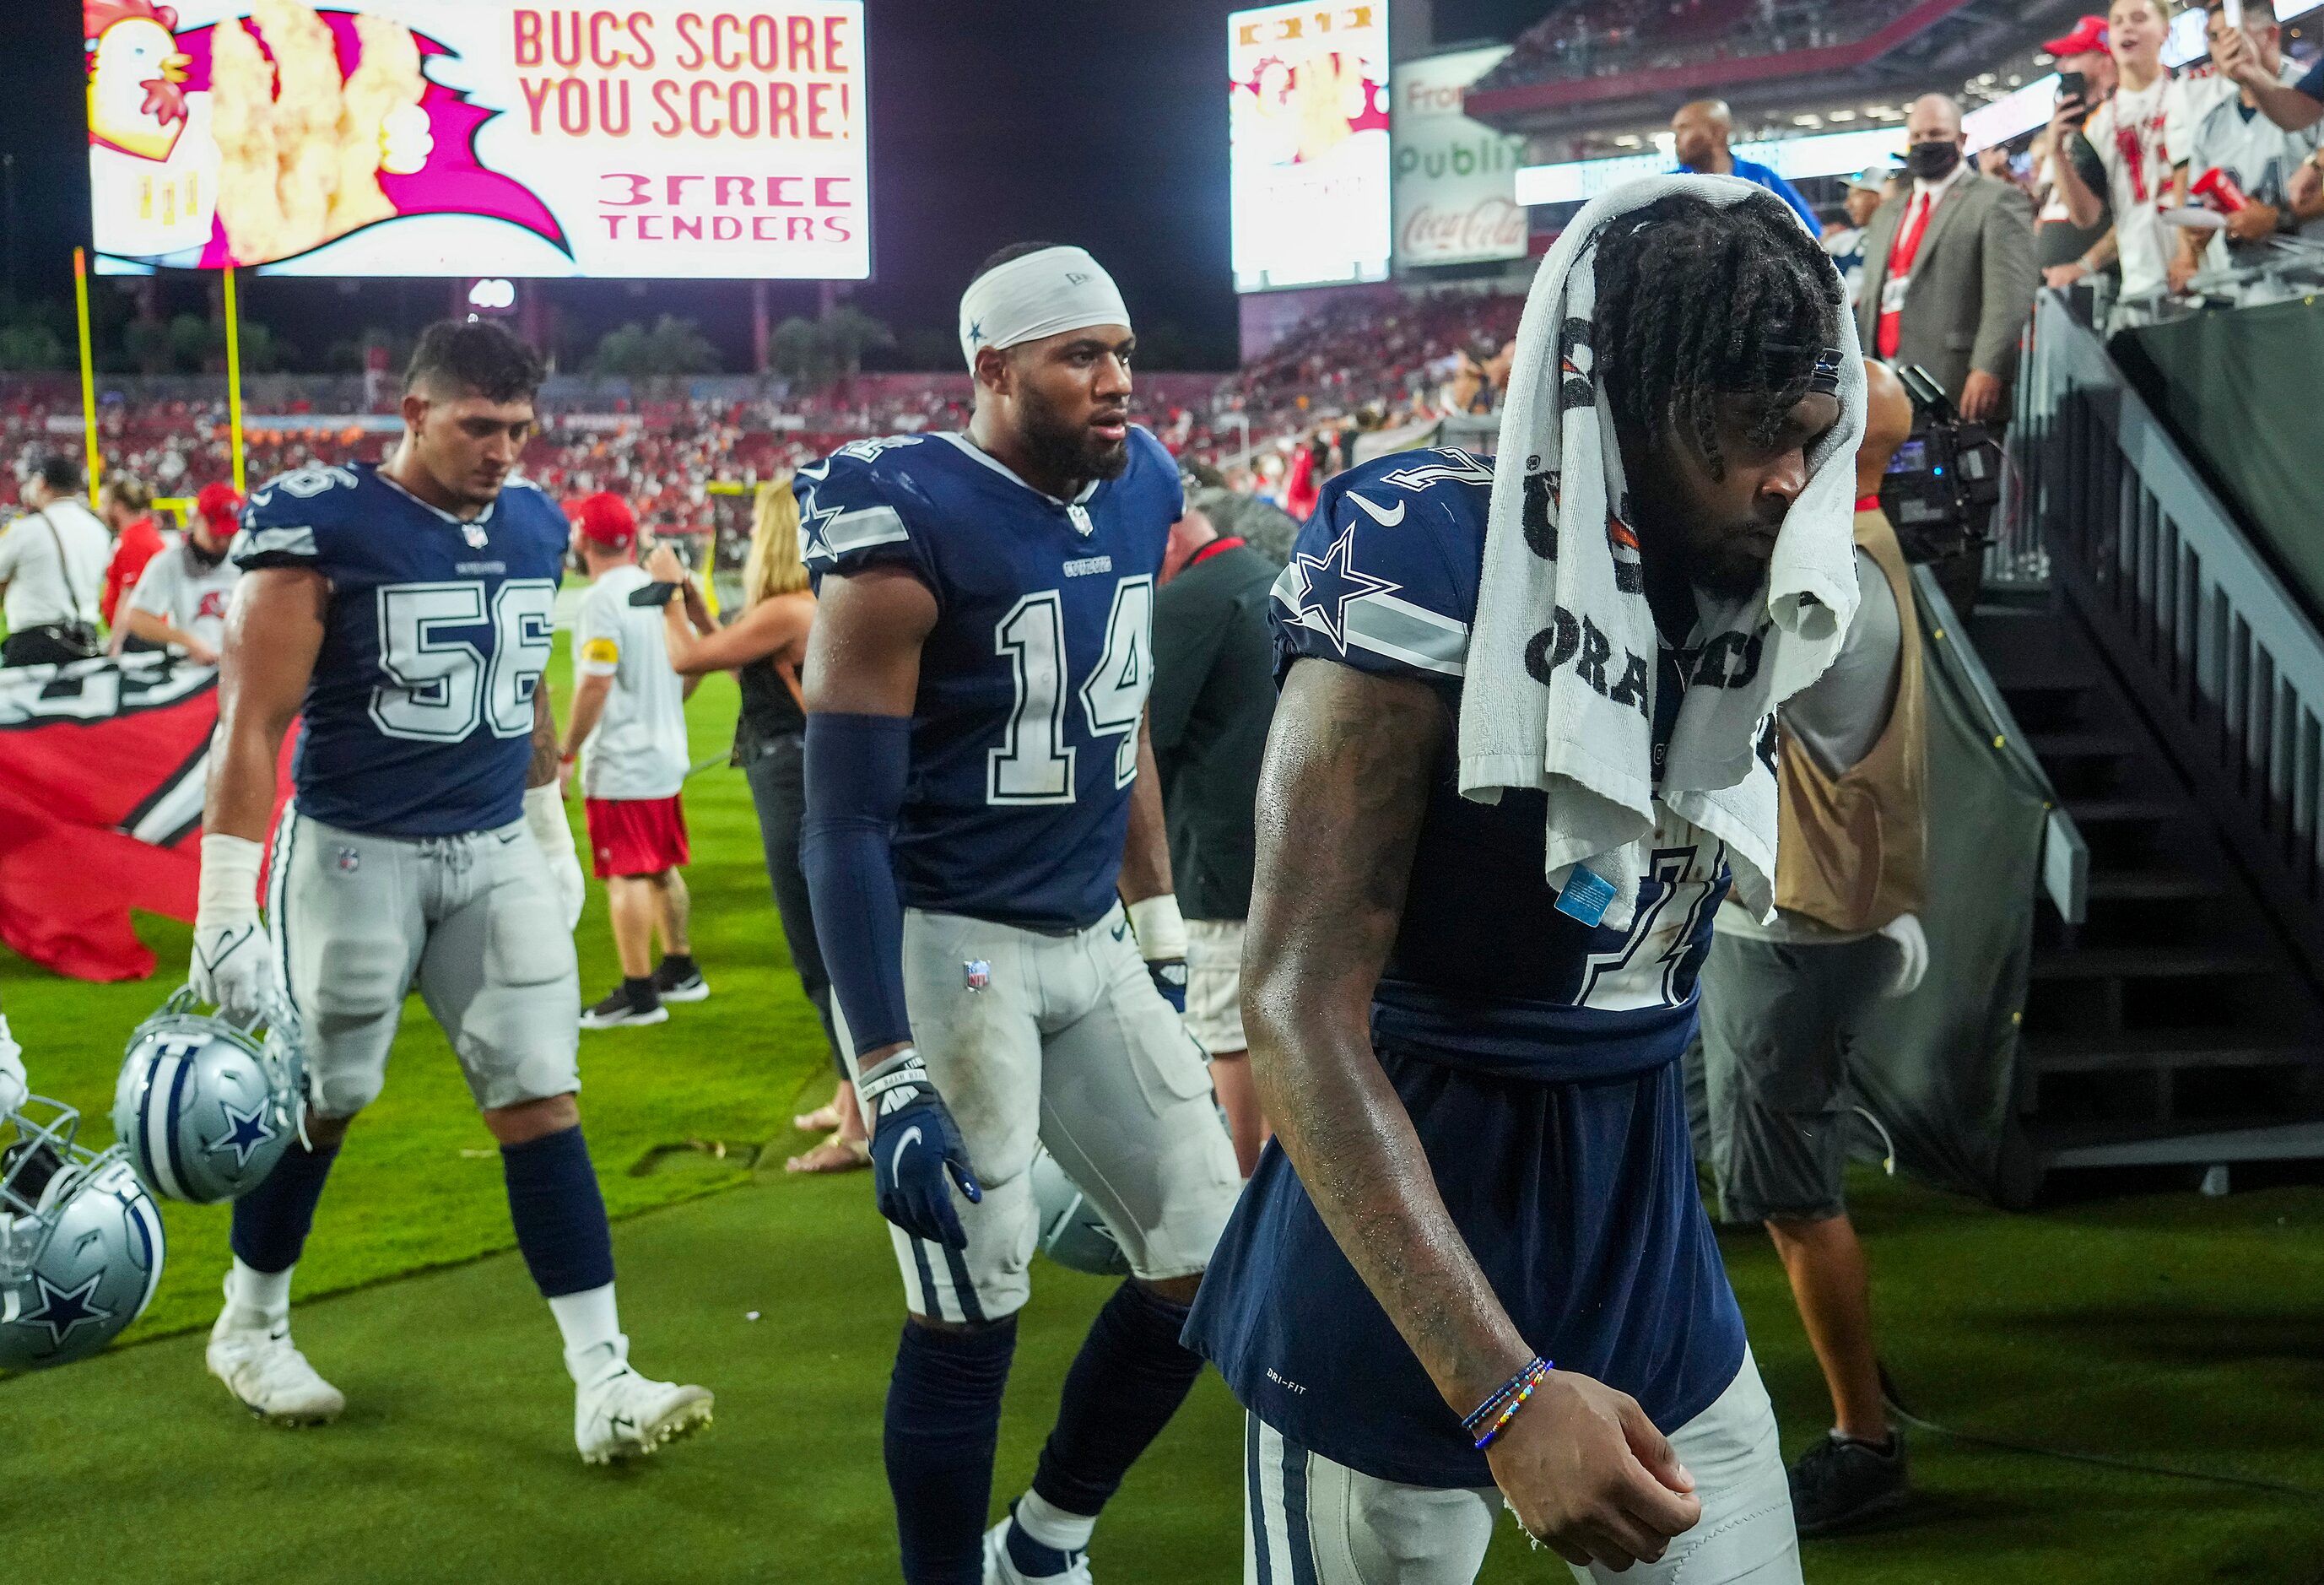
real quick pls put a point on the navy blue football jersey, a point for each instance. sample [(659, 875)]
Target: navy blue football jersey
[(1033, 681), (418, 720), (1537, 1056)]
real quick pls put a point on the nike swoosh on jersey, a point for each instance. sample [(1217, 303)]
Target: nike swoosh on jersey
[(1387, 519)]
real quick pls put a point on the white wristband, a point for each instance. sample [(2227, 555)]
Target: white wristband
[(1161, 932), (544, 816), (229, 892)]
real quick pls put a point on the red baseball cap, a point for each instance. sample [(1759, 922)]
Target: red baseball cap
[(606, 519), (2089, 33), (220, 506)]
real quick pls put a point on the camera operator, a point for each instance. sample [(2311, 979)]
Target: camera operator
[(1782, 1001)]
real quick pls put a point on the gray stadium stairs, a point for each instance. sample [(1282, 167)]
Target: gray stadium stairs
[(2170, 688)]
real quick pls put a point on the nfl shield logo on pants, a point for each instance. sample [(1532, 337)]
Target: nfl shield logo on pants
[(976, 974), (347, 861)]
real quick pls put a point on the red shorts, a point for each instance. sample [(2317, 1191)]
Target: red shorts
[(637, 836)]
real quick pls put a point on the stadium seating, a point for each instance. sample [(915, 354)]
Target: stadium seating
[(1608, 38), (670, 455)]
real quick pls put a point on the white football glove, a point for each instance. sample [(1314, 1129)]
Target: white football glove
[(544, 816), (13, 1087), (235, 966), (1912, 952)]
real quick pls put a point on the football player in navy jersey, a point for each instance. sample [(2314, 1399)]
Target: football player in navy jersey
[(1481, 1159), (982, 835), (401, 612)]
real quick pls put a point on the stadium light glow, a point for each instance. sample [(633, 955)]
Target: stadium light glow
[(1831, 153)]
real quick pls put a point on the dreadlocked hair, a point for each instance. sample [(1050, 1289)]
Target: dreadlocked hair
[(1698, 300)]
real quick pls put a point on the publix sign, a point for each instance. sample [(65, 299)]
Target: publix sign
[(1454, 179)]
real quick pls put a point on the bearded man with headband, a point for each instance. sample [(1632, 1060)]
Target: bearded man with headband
[(982, 835)]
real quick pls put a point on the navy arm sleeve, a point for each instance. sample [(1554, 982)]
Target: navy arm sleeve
[(856, 767)]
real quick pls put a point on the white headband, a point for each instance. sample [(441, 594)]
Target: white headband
[(1037, 295)]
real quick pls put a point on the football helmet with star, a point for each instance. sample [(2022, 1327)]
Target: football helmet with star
[(208, 1105), (80, 1240)]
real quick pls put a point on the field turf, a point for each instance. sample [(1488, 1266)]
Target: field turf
[(2159, 1327)]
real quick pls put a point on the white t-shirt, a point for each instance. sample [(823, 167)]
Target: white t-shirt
[(2138, 137), (637, 747), (190, 596), (41, 590)]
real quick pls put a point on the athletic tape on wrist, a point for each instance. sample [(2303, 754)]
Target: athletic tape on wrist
[(544, 816), (1161, 929), (228, 891)]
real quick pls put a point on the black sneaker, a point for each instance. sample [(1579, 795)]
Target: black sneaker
[(679, 979), (1841, 1483), (632, 1004)]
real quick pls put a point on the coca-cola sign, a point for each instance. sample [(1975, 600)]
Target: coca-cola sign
[(1454, 179)]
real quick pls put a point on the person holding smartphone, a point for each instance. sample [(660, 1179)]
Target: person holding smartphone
[(2249, 150), (2138, 136), (2066, 251)]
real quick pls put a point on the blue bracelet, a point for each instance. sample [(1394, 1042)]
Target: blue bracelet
[(1521, 1383)]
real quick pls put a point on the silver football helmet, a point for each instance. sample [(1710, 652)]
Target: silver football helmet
[(205, 1105), (80, 1240), (1072, 1232)]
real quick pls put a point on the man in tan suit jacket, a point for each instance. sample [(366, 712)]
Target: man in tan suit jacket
[(1968, 291)]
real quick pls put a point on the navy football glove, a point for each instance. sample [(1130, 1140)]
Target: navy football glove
[(915, 1147), (1170, 979)]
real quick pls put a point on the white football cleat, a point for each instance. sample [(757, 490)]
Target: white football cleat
[(1072, 1568), (623, 1414), (268, 1375)]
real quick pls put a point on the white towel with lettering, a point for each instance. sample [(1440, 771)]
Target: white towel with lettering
[(1562, 671)]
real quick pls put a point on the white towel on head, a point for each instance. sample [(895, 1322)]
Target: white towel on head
[(1577, 722)]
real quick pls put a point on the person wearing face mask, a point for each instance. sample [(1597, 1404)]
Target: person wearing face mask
[(1949, 274)]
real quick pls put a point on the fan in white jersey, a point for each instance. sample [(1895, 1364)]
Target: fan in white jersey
[(180, 599)]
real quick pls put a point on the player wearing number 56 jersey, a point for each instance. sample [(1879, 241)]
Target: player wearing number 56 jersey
[(401, 613), (981, 803)]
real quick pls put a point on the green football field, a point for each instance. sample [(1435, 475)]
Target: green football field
[(2161, 1328)]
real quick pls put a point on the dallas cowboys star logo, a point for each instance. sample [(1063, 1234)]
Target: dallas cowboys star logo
[(976, 333), (1329, 584), (244, 1132), (815, 531), (63, 1311)]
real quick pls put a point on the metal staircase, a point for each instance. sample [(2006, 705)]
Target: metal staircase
[(2171, 691), (2171, 1024)]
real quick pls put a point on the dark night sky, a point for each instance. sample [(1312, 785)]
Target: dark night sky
[(990, 123)]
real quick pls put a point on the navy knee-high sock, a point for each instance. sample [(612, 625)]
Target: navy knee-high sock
[(271, 1220), (558, 1214), (1130, 1378), (943, 1419)]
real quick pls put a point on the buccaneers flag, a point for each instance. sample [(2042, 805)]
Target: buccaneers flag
[(101, 770)]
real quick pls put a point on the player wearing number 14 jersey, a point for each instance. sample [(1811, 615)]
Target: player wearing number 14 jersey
[(980, 805), (401, 614)]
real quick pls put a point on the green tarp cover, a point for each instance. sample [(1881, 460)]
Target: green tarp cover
[(1938, 1067)]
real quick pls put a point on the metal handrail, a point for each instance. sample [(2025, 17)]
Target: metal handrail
[(2175, 588)]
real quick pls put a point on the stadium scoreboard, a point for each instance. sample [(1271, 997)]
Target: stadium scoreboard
[(653, 138), (1308, 128)]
